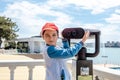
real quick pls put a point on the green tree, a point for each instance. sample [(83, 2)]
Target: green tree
[(8, 29)]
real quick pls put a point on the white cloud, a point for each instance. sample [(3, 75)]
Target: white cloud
[(57, 3), (109, 32), (30, 16), (97, 6), (114, 18), (24, 13), (117, 11)]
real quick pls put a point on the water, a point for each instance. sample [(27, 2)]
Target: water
[(107, 56)]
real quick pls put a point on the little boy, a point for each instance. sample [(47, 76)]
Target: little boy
[(55, 56)]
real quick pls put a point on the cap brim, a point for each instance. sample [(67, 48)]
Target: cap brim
[(48, 29)]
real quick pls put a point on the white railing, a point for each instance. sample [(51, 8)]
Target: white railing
[(12, 64), (103, 73)]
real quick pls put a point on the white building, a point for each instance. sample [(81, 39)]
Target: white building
[(34, 44)]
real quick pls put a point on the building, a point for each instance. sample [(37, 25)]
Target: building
[(30, 45)]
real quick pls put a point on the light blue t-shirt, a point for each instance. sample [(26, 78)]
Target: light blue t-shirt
[(55, 60)]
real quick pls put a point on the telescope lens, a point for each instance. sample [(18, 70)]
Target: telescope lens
[(73, 33)]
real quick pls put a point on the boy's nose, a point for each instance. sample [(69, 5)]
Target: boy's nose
[(51, 38)]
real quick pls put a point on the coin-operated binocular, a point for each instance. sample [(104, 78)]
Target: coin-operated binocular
[(82, 69)]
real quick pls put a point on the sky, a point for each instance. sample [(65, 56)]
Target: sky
[(31, 15)]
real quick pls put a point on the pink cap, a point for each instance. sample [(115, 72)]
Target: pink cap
[(49, 26)]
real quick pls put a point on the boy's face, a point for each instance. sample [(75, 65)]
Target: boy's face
[(50, 37)]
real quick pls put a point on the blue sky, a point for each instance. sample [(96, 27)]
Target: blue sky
[(31, 15)]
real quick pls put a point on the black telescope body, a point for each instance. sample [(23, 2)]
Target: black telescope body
[(83, 66), (78, 33)]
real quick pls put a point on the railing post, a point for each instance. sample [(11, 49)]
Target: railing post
[(30, 72), (12, 68)]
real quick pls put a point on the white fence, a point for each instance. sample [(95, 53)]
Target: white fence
[(12, 64), (103, 73)]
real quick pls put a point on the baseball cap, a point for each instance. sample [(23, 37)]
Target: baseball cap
[(49, 26)]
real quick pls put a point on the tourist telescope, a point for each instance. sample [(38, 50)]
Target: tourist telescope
[(82, 69)]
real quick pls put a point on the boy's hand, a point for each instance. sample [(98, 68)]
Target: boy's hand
[(85, 37)]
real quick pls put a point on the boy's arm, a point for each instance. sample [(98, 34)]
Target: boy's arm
[(65, 43), (53, 52)]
